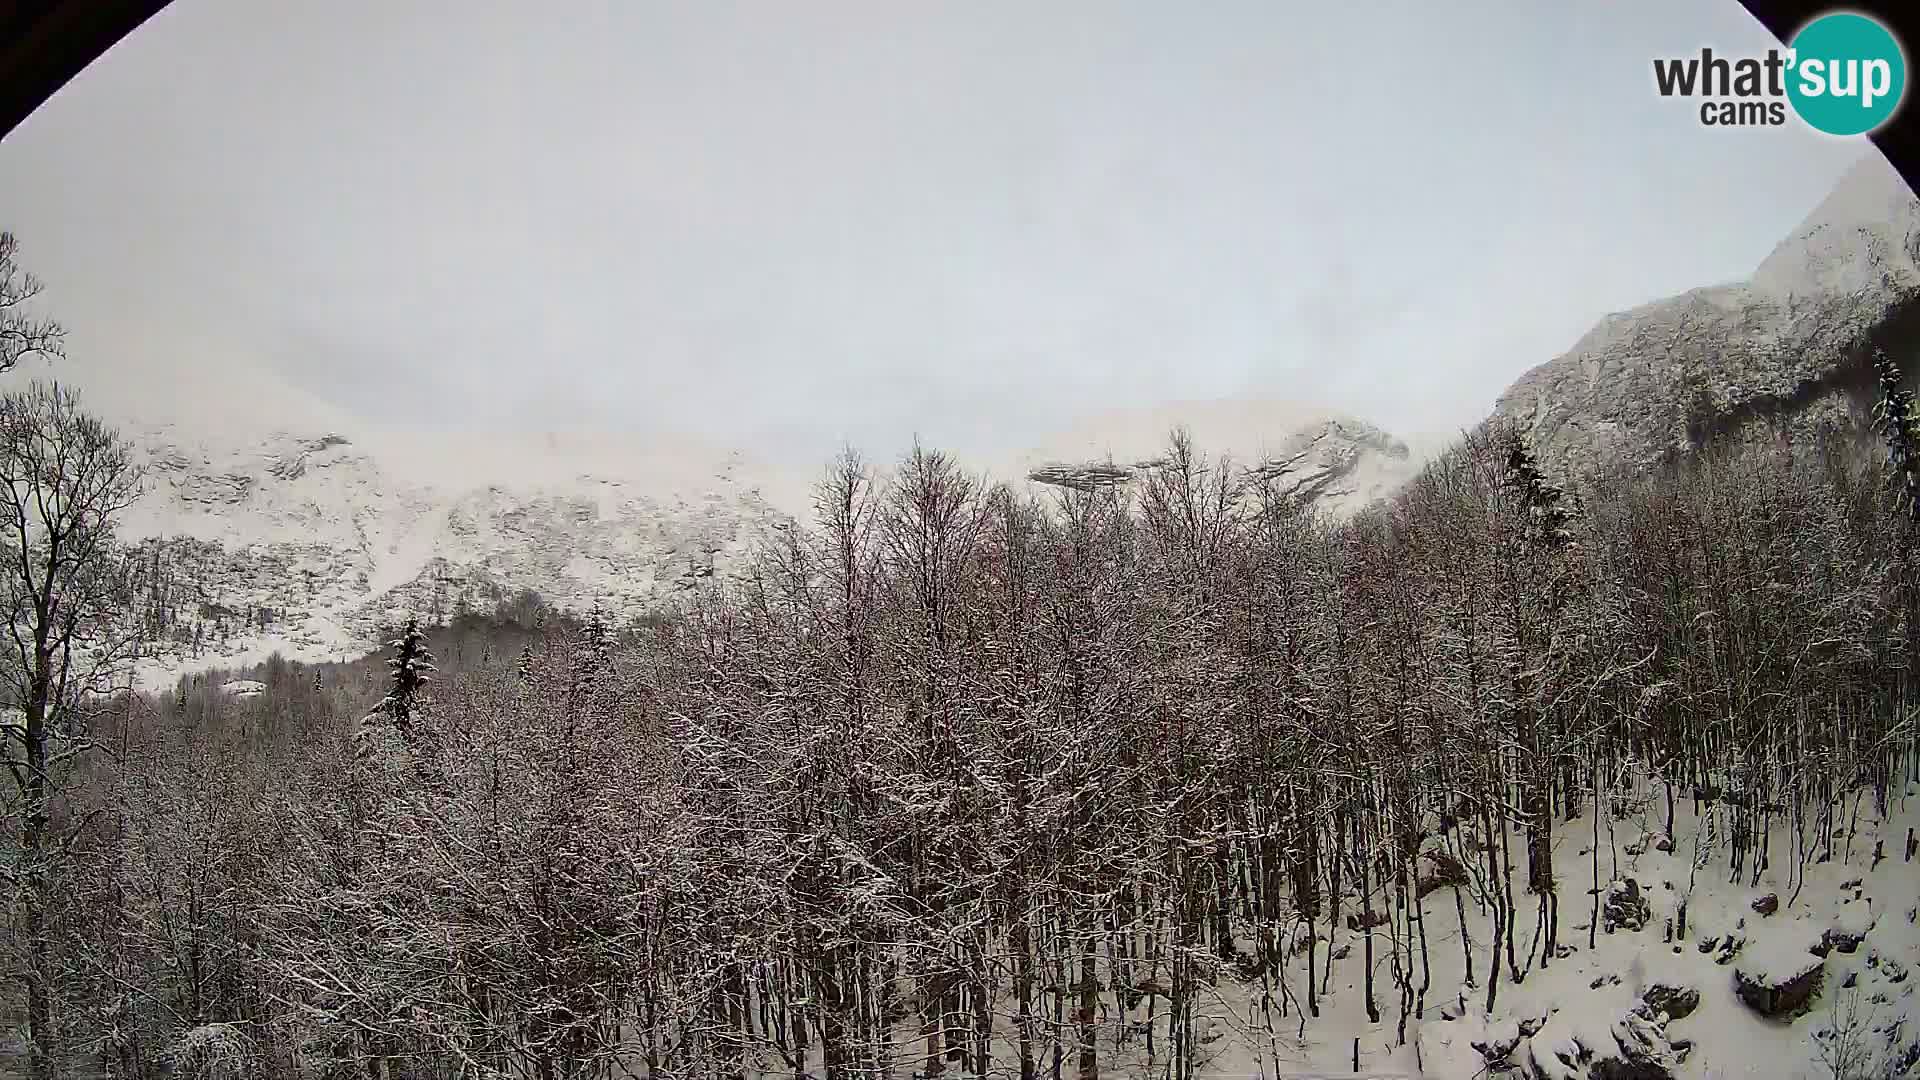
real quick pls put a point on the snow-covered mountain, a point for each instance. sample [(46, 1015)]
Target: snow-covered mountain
[(309, 543), (1785, 348)]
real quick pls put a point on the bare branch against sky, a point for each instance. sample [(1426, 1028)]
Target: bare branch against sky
[(780, 226)]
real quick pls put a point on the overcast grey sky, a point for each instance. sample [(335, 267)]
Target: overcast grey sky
[(784, 224)]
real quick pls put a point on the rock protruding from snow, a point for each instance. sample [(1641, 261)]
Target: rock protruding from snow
[(1847, 933), (1625, 907), (1891, 969), (1778, 973), (1677, 1002), (1728, 945), (1784, 347), (1472, 1045), (1576, 1046), (244, 687)]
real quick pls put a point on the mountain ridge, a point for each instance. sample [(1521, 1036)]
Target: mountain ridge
[(309, 544), (305, 541), (1785, 349)]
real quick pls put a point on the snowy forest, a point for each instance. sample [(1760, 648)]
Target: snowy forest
[(964, 782), (1176, 778)]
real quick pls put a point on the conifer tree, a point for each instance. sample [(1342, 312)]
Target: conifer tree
[(1541, 500), (1544, 533), (1895, 414), (410, 664), (596, 653)]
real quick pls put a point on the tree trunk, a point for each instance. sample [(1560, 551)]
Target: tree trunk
[(33, 842), (1089, 999)]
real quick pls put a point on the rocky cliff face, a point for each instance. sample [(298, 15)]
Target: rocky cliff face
[(1337, 463), (1787, 348)]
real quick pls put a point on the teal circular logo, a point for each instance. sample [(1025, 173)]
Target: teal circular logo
[(1848, 74)]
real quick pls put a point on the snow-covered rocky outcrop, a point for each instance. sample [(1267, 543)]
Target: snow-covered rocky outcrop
[(1785, 347), (1339, 463)]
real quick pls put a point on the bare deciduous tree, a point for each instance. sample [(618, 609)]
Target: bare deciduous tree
[(23, 336), (66, 477)]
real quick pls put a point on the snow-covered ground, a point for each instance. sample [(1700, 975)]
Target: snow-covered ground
[(1600, 1012), (1588, 995)]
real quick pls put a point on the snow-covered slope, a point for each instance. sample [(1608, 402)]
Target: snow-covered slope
[(1785, 346), (1771, 970), (306, 543)]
